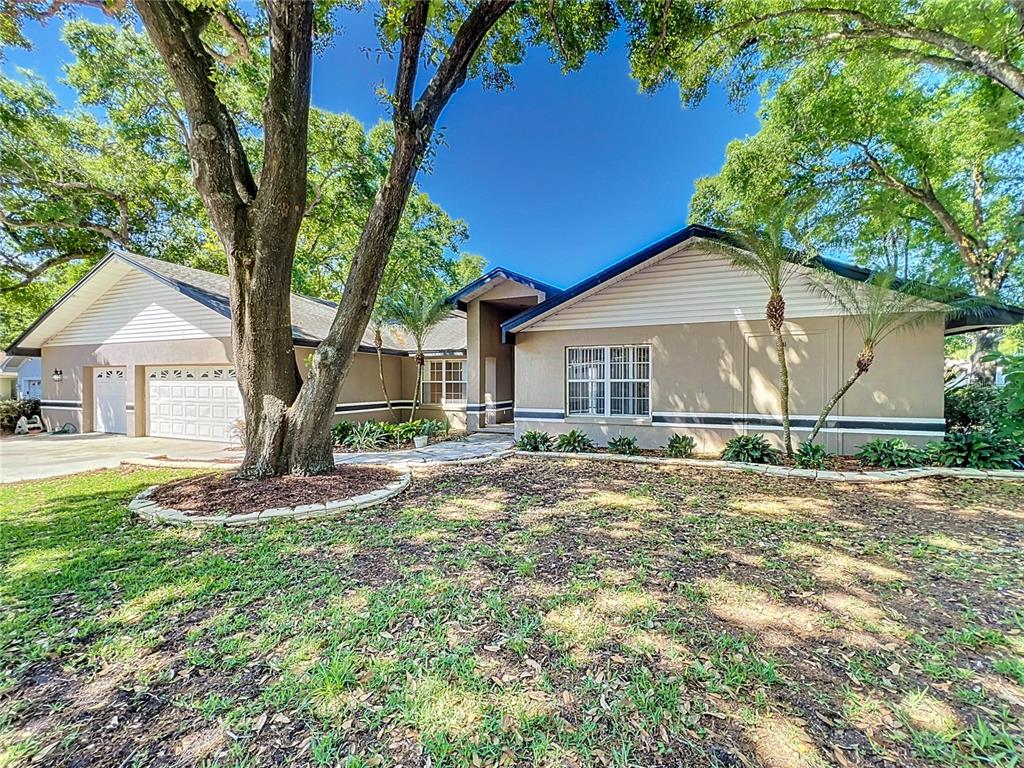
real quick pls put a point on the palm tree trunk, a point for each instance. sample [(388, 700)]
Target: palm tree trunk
[(864, 360), (419, 383), (378, 342), (780, 352)]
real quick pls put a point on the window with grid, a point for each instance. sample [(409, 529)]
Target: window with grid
[(444, 382), (609, 381)]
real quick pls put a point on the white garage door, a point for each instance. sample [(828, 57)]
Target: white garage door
[(109, 390), (194, 403)]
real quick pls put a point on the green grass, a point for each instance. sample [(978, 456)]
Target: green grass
[(517, 614)]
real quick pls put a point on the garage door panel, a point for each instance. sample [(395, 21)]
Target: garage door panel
[(193, 403)]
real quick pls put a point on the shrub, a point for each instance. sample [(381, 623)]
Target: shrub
[(368, 436), (12, 410), (402, 432), (341, 430), (1011, 419), (573, 441), (534, 440), (981, 449), (681, 446), (624, 444), (753, 449), (434, 427), (890, 454), (812, 456), (979, 406)]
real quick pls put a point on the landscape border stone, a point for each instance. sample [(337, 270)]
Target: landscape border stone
[(152, 512), (883, 476)]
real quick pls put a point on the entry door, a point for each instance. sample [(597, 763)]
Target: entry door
[(109, 391)]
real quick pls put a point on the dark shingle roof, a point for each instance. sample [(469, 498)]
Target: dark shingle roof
[(311, 318)]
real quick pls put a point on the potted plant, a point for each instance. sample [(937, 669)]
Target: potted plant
[(420, 441)]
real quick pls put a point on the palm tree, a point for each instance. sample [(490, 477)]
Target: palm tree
[(880, 307), (763, 251), (417, 313), (378, 319)]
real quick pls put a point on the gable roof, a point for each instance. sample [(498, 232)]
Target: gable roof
[(975, 316), (311, 317), (483, 283)]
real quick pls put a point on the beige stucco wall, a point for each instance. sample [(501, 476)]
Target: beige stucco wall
[(361, 386), (730, 368)]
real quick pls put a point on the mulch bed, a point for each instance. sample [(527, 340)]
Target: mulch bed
[(225, 493)]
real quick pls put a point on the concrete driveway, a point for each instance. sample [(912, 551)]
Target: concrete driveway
[(37, 456)]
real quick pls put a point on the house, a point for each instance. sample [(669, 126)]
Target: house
[(20, 377), (143, 347), (669, 340)]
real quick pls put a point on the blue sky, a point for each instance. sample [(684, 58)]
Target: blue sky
[(556, 178)]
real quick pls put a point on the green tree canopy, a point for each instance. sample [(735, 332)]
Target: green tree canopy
[(115, 171)]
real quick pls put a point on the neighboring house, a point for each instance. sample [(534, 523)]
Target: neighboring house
[(669, 340), (20, 377)]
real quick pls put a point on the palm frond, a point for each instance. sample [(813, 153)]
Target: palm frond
[(415, 311), (880, 306)]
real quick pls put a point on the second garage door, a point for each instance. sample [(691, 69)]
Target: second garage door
[(194, 403)]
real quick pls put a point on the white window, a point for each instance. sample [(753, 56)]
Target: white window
[(444, 382), (609, 381)]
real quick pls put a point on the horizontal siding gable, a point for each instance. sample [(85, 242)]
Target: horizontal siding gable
[(685, 286), (139, 308)]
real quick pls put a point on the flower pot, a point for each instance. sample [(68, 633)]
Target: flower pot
[(420, 441)]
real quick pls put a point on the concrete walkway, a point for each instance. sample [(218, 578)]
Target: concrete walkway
[(475, 446), (36, 456)]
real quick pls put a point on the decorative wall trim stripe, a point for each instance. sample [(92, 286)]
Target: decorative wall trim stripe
[(539, 414), (501, 405), (129, 407), (846, 423), (365, 407), (60, 404)]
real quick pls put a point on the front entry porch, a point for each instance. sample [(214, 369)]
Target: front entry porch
[(490, 363)]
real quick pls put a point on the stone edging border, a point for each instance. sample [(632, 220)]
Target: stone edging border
[(228, 466), (153, 512), (886, 476)]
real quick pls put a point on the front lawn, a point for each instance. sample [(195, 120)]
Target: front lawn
[(521, 613)]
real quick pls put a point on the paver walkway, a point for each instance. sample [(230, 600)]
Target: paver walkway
[(475, 446)]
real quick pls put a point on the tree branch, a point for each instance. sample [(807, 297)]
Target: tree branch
[(409, 62), (219, 163), (29, 274)]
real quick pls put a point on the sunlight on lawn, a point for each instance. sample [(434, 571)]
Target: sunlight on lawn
[(138, 608), (839, 568), (752, 609), (927, 713), (783, 742), (39, 561), (436, 706)]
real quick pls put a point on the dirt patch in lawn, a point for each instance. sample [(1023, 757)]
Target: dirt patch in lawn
[(215, 494)]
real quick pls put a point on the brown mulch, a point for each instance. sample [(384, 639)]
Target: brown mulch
[(225, 493)]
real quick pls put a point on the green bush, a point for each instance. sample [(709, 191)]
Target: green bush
[(753, 449), (1011, 421), (890, 454), (368, 436), (12, 410), (434, 427), (681, 446), (573, 441), (812, 456), (981, 449), (534, 440), (341, 430), (979, 406), (624, 444), (403, 432)]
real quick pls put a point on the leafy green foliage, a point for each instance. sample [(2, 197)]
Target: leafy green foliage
[(980, 449), (12, 410), (812, 456), (1012, 423), (681, 446), (752, 449), (980, 405), (624, 444), (368, 436), (893, 453), (573, 441), (534, 440), (341, 430), (892, 167)]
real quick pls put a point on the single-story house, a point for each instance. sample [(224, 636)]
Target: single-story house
[(671, 339), (20, 377)]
